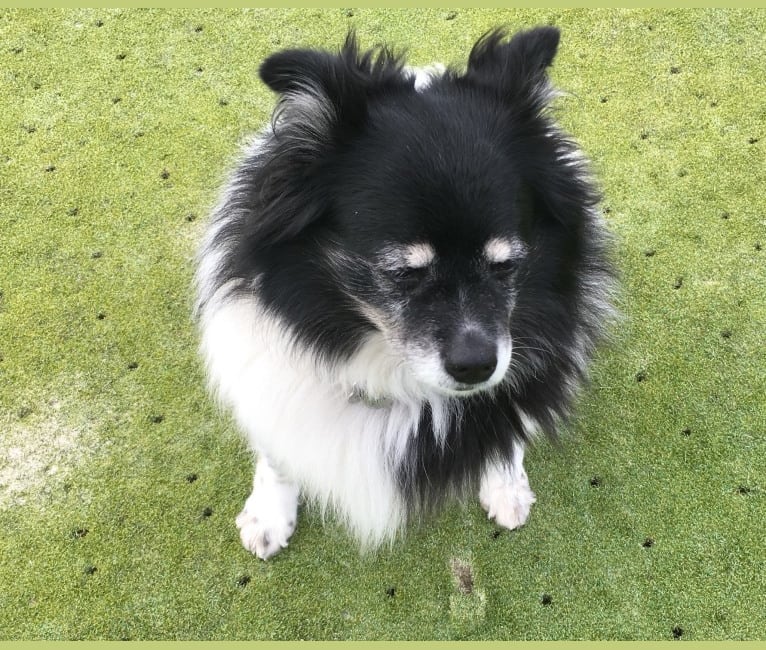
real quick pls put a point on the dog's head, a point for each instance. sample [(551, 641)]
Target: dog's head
[(431, 208)]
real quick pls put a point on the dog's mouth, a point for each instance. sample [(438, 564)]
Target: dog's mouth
[(467, 390)]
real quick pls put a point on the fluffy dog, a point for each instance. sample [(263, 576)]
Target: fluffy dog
[(404, 281)]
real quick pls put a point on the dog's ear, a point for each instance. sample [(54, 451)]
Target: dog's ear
[(557, 189), (324, 97), (515, 67), (337, 86)]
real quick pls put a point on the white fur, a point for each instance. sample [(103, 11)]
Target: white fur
[(414, 256), (297, 413), (500, 249), (419, 255), (424, 76), (505, 493), (268, 518)]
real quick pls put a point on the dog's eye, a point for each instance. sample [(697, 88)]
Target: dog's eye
[(504, 268), (409, 276)]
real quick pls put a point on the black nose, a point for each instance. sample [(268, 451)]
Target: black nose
[(471, 357)]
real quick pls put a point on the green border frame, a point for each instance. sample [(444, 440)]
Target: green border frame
[(385, 645), (393, 4)]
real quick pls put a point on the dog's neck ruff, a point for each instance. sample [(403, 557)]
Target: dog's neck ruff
[(358, 394)]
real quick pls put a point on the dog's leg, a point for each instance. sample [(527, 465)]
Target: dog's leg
[(505, 493), (268, 518)]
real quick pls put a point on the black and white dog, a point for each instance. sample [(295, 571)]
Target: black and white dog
[(403, 282)]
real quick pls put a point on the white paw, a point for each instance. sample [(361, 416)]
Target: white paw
[(268, 518), (264, 535), (506, 501)]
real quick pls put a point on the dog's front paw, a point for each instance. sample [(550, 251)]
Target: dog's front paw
[(507, 499), (264, 534), (268, 518)]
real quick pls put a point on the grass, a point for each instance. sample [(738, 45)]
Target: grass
[(119, 482)]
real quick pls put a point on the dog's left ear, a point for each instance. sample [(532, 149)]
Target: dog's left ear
[(517, 66), (323, 98)]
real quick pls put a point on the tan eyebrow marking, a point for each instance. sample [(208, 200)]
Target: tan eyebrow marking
[(500, 249), (414, 256)]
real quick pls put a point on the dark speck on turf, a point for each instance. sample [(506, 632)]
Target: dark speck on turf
[(90, 570), (17, 50), (156, 419), (96, 255), (164, 174), (546, 599), (223, 102), (677, 632), (726, 334), (198, 28), (595, 481), (116, 100), (604, 100), (758, 246), (752, 140), (743, 489), (190, 478), (451, 15), (725, 215), (133, 365), (50, 168), (648, 543), (79, 533), (29, 128), (243, 581), (649, 252), (191, 217), (675, 69), (207, 512), (686, 432), (496, 533), (678, 283), (99, 23), (73, 212), (101, 315), (121, 56), (641, 376), (391, 592)]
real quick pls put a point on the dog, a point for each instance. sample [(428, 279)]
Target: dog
[(403, 283)]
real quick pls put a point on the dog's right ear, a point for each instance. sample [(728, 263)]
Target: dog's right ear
[(336, 86), (323, 96)]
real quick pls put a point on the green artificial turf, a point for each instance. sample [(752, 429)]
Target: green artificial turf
[(119, 481)]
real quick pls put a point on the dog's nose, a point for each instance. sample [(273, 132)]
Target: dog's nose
[(471, 357)]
